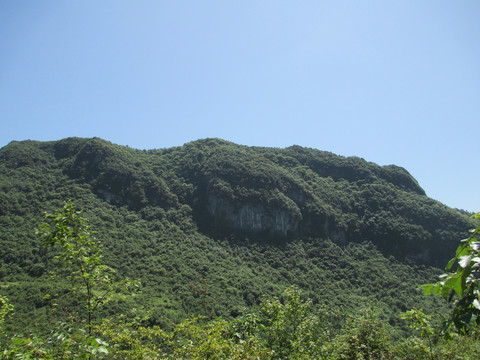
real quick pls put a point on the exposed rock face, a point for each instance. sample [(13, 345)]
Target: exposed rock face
[(339, 237), (109, 196), (252, 217)]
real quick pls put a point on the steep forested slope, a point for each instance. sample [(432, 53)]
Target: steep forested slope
[(210, 227)]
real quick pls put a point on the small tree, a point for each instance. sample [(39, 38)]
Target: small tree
[(80, 253), (462, 287), (287, 326), (364, 337), (420, 322)]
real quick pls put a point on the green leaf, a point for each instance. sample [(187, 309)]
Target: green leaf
[(462, 250), (450, 263), (427, 288), (454, 282), (438, 289)]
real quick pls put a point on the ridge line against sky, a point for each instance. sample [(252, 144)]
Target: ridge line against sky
[(391, 82)]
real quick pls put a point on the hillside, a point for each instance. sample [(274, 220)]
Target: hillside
[(211, 226)]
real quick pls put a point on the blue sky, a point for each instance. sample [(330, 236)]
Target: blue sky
[(393, 82)]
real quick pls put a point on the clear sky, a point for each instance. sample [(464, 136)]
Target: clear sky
[(393, 82)]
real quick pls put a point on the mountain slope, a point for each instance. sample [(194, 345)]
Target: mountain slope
[(278, 192), (211, 226)]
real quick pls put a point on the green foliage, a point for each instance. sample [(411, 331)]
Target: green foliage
[(63, 343), (5, 310), (365, 337), (421, 323), (290, 328), (93, 282), (286, 328), (213, 340), (429, 341), (80, 253), (59, 346), (462, 287), (129, 339)]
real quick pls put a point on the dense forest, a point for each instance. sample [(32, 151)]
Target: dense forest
[(216, 250)]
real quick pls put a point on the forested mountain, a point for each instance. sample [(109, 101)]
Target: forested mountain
[(210, 227)]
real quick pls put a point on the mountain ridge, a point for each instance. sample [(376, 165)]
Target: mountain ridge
[(260, 191)]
